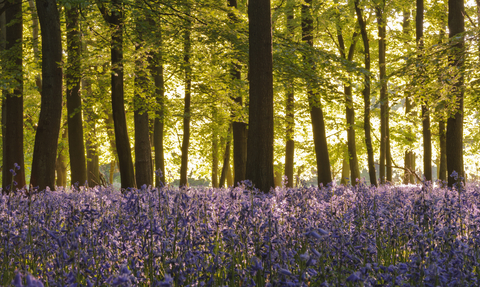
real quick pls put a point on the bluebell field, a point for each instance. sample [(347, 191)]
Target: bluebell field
[(335, 236)]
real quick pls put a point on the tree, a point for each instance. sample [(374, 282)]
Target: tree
[(456, 26), (366, 95), (143, 152), (115, 17), (316, 113), (46, 137), (76, 146), (239, 127), (187, 47), (260, 120), (290, 107), (13, 154)]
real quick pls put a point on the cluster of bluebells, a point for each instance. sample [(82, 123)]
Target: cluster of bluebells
[(334, 236)]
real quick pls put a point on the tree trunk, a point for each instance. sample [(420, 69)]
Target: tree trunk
[(76, 146), (260, 148), (226, 158), (61, 162), (290, 107), (442, 174), (156, 68), (229, 176), (316, 113), (143, 152), (186, 112), (346, 168), (385, 157), (239, 127), (456, 26), (350, 111), (13, 100), (124, 152), (214, 159), (366, 96), (46, 137)]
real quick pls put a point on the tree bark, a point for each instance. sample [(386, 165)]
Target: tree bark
[(215, 159), (46, 137), (186, 111), (239, 127), (76, 146), (366, 96), (124, 152), (316, 113), (260, 148), (61, 162), (385, 156), (13, 100), (143, 152), (226, 158), (290, 107), (345, 168), (456, 26), (350, 111), (93, 172), (442, 174)]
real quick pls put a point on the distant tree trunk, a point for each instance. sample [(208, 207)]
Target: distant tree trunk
[(215, 159), (260, 148), (143, 152), (13, 100), (61, 162), (239, 127), (93, 172), (156, 68), (316, 113), (366, 96), (346, 169), (46, 137), (350, 111), (385, 156), (187, 47), (229, 177), (427, 136), (456, 26), (290, 107), (442, 174), (76, 146), (226, 158), (124, 152), (407, 176)]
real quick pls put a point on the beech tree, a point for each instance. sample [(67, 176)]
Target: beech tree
[(12, 105), (260, 119), (46, 137)]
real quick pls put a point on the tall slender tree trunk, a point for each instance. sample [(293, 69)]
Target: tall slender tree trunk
[(260, 148), (46, 137), (442, 173), (215, 159), (366, 96), (187, 46), (93, 172), (456, 26), (238, 126), (350, 111), (61, 162), (427, 136), (290, 106), (226, 158), (143, 152), (316, 113), (76, 146), (124, 152), (407, 176), (13, 100), (156, 69), (345, 168), (385, 157)]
